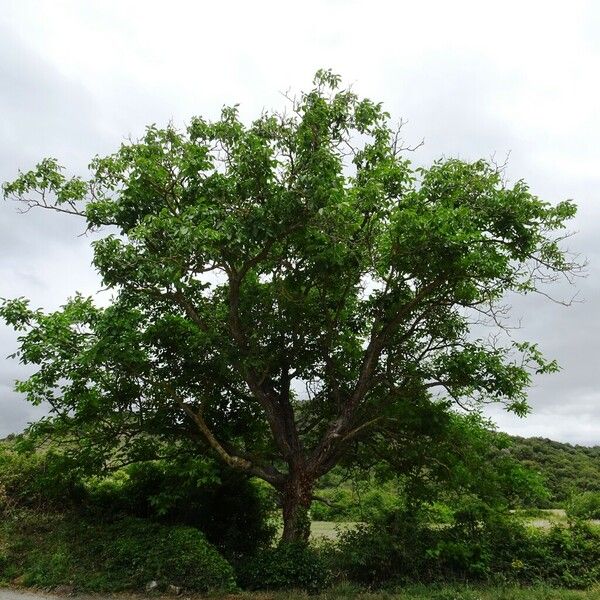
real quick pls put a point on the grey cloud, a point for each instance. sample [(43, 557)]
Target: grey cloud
[(463, 101), (451, 111)]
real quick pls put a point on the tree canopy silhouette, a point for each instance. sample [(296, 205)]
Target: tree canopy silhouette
[(285, 291)]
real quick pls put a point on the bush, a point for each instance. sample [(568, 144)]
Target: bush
[(125, 554), (479, 545), (568, 557), (178, 555), (232, 510), (381, 553), (286, 566), (39, 481), (584, 506)]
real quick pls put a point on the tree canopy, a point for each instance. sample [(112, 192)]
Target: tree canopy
[(285, 291)]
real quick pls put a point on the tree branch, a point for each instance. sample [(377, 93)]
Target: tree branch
[(271, 474)]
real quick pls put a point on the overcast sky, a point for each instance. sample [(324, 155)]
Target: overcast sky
[(473, 79)]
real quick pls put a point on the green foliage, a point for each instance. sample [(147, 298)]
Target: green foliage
[(230, 509), (584, 506), (354, 500), (286, 566), (566, 469), (38, 480), (570, 557), (534, 473), (451, 456), (302, 246), (45, 551), (478, 545)]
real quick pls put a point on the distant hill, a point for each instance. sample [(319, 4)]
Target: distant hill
[(565, 468)]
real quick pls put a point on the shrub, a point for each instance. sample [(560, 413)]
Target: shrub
[(376, 554), (285, 566), (480, 544), (584, 506), (39, 480), (569, 556), (232, 510), (178, 555), (125, 554)]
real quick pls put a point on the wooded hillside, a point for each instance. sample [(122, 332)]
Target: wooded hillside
[(565, 468)]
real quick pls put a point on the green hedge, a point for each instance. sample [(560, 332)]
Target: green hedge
[(121, 555), (232, 510), (287, 566), (495, 549)]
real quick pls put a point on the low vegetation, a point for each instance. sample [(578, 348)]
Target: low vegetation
[(420, 592), (478, 545), (190, 524), (52, 550)]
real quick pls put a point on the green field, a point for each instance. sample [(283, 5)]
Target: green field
[(543, 518), (546, 518), (328, 530)]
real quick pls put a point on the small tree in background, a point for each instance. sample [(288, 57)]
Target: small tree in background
[(249, 263)]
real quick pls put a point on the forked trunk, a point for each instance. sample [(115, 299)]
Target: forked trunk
[(296, 501)]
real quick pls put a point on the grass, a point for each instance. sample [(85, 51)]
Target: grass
[(344, 592), (545, 518), (321, 530), (348, 592), (329, 530), (538, 518)]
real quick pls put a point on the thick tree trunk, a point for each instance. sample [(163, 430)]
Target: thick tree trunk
[(296, 501)]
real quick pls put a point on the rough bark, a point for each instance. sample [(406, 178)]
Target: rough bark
[(296, 499)]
